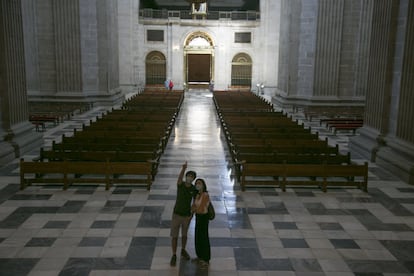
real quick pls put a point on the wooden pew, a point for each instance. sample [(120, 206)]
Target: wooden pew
[(68, 173), (328, 121), (345, 126), (154, 141), (101, 156), (104, 134), (321, 175)]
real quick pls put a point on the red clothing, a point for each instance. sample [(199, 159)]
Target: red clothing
[(171, 85)]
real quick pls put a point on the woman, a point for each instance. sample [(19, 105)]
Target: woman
[(200, 208)]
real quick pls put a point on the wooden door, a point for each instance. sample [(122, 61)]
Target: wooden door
[(198, 67)]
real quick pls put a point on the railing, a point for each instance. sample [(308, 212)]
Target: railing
[(211, 15)]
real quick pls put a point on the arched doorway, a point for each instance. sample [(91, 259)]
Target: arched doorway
[(198, 59), (155, 68)]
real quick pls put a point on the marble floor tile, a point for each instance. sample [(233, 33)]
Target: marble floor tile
[(87, 230)]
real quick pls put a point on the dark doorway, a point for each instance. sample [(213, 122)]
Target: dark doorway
[(198, 67)]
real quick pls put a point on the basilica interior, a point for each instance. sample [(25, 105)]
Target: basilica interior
[(297, 114)]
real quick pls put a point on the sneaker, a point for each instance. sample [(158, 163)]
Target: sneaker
[(203, 264), (173, 260), (195, 260), (184, 254)]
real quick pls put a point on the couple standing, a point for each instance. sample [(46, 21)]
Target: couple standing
[(191, 199)]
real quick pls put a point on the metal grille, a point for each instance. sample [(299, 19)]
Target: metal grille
[(155, 68), (241, 70)]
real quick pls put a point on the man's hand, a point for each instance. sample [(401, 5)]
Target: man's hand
[(181, 175)]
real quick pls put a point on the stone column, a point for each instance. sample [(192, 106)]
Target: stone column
[(363, 46), (397, 154), (67, 46), (320, 44), (288, 47), (328, 48), (16, 132), (99, 51), (72, 47), (379, 80)]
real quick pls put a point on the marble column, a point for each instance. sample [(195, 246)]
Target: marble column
[(16, 132), (378, 90), (387, 137), (67, 46), (321, 42), (288, 47), (72, 47)]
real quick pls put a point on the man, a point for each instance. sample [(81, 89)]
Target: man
[(182, 214)]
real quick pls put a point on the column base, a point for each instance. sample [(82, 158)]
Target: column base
[(283, 100), (23, 139), (96, 98), (398, 158), (7, 153), (366, 143)]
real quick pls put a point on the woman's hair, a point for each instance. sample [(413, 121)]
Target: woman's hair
[(203, 182)]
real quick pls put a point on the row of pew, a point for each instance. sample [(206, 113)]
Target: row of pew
[(43, 113), (122, 146), (269, 148)]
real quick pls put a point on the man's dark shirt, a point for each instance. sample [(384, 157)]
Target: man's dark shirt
[(184, 197)]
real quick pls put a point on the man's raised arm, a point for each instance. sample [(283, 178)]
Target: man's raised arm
[(181, 175)]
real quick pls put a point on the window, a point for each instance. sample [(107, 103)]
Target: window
[(243, 37), (155, 68), (241, 70), (155, 35)]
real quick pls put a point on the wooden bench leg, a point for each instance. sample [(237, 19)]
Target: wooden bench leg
[(365, 187), (107, 182), (22, 181), (282, 184), (65, 182), (149, 182), (324, 186)]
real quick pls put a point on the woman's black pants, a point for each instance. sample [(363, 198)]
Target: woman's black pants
[(202, 240)]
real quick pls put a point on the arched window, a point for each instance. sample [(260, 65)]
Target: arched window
[(155, 68), (241, 70), (199, 40)]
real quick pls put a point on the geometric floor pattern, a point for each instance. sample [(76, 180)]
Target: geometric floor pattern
[(87, 230)]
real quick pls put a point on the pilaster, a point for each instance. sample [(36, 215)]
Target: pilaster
[(16, 132), (318, 65), (67, 46), (397, 154), (379, 82), (73, 51)]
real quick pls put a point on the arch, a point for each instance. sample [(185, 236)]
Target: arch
[(155, 68), (199, 36), (241, 70)]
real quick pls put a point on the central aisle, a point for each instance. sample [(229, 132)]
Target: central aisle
[(197, 139)]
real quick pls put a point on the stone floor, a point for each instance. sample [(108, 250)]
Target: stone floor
[(86, 230)]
